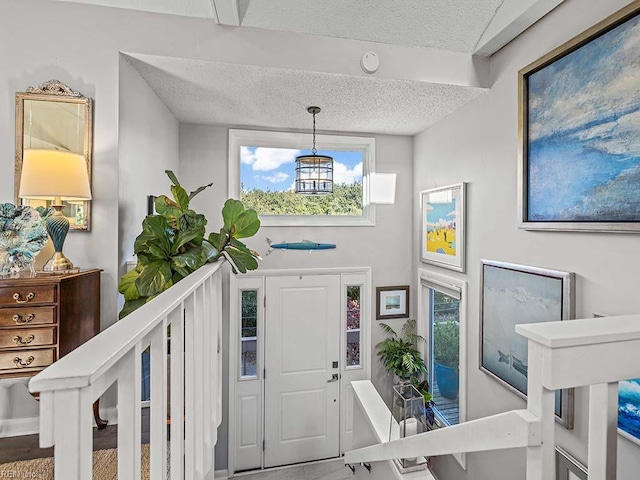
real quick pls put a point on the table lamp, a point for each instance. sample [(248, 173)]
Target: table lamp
[(55, 175)]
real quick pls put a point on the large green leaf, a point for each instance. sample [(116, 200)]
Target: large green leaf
[(153, 277), (189, 261), (243, 261), (181, 197), (187, 236), (127, 285), (247, 224), (211, 253), (198, 190), (219, 240), (231, 213), (167, 207), (130, 306), (172, 177)]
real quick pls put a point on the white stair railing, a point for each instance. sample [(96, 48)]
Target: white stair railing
[(68, 388), (592, 352)]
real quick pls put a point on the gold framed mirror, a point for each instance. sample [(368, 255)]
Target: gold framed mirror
[(55, 117)]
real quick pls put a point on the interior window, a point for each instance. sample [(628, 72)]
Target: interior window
[(353, 325), (262, 174), (444, 351), (249, 334)]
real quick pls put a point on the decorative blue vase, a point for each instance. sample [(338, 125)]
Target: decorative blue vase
[(448, 380)]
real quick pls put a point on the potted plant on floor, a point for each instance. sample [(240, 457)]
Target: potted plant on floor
[(446, 354)]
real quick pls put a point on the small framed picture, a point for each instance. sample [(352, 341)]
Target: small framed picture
[(392, 302), (568, 468)]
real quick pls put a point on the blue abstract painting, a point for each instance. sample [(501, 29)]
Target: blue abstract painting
[(583, 149), (629, 407)]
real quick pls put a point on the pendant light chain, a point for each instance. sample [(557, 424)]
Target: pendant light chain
[(313, 150)]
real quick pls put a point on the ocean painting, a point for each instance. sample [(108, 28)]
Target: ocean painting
[(629, 407), (583, 113), (511, 296)]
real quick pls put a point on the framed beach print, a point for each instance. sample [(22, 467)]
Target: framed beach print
[(579, 162), (568, 468), (442, 233), (517, 294), (392, 302)]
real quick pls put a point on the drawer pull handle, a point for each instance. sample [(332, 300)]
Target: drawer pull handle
[(19, 363), (19, 341), (30, 296), (18, 318)]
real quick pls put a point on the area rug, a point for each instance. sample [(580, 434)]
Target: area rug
[(105, 466)]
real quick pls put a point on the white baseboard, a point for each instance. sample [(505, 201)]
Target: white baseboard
[(221, 474), (19, 426)]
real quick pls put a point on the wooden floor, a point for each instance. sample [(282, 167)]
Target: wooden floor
[(448, 408), (14, 449)]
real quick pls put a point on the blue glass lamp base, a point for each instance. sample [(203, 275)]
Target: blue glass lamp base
[(57, 228)]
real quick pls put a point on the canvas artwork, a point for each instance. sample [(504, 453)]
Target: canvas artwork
[(442, 235), (629, 409), (581, 121), (512, 295)]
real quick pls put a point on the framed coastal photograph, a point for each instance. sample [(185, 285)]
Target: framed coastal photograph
[(392, 302), (517, 294), (568, 468), (442, 233), (579, 162)]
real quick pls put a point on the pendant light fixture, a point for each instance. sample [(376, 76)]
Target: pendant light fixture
[(314, 173)]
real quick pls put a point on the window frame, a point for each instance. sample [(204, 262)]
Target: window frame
[(424, 325), (301, 141)]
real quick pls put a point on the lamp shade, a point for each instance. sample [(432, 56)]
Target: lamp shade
[(47, 174)]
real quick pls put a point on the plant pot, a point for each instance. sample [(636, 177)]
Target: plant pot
[(448, 380)]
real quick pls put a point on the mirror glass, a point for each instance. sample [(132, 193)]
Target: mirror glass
[(54, 117)]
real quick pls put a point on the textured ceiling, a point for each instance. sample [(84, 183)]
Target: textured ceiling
[(243, 95), (454, 25)]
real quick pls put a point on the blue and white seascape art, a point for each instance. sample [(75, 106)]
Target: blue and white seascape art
[(511, 295), (629, 408), (582, 149)]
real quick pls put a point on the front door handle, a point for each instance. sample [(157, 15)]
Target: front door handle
[(334, 378)]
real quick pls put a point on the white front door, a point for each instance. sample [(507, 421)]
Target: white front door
[(302, 394)]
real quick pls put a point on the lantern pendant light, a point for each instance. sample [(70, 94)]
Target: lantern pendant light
[(314, 173)]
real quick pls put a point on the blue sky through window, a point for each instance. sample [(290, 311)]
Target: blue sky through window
[(273, 169)]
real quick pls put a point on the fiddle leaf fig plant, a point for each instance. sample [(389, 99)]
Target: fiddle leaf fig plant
[(172, 245)]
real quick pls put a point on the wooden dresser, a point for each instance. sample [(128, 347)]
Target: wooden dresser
[(45, 317)]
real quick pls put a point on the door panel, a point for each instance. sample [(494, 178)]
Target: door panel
[(302, 404)]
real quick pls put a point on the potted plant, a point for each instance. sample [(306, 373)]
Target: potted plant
[(398, 354), (173, 244), (446, 356), (401, 359)]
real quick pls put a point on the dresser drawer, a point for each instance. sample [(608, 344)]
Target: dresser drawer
[(26, 359), (19, 316), (25, 294), (24, 338)]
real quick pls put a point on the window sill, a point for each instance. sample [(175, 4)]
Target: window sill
[(317, 221)]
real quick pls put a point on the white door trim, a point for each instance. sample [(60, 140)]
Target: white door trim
[(257, 280)]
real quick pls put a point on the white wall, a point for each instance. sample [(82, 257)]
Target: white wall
[(148, 145), (81, 46), (478, 144), (385, 247)]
